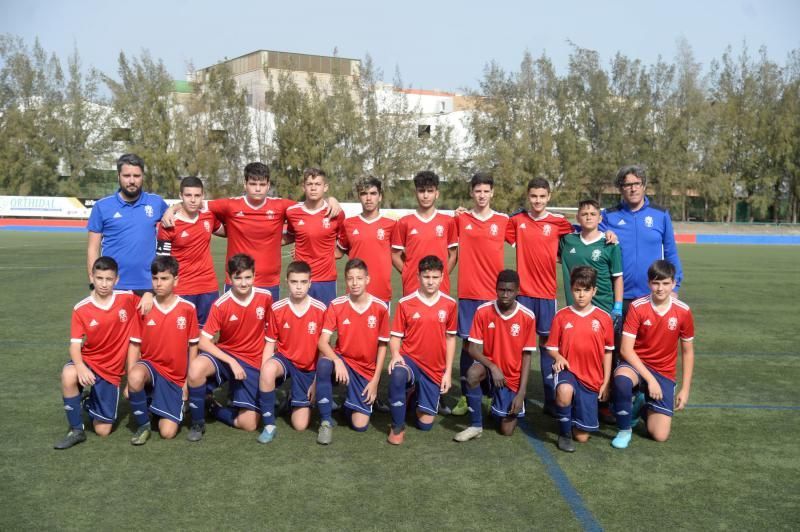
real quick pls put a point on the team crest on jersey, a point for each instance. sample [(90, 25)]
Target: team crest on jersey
[(372, 322), (260, 313), (181, 323), (493, 229), (312, 327), (270, 215), (672, 323), (123, 315), (206, 226), (546, 229), (148, 210), (442, 315), (515, 329), (326, 223), (595, 255), (439, 231), (595, 325), (380, 234), (648, 221)]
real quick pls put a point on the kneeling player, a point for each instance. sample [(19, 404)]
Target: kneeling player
[(99, 339), (362, 323), (423, 345), (291, 351), (581, 343), (240, 317), (165, 338), (654, 327), (507, 332)]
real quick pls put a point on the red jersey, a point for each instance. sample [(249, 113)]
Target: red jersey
[(107, 332), (657, 334), (536, 240), (480, 254), (315, 239), (296, 332), (504, 338), (424, 326), (583, 338), (165, 335), (241, 325), (256, 231), (190, 243), (359, 332), (419, 238), (371, 241)]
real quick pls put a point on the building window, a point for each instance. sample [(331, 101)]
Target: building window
[(423, 131)]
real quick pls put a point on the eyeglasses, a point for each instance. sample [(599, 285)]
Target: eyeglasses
[(632, 186)]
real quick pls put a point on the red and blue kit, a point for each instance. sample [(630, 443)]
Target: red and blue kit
[(359, 332), (418, 238), (297, 331), (189, 241), (315, 239), (480, 254), (371, 241)]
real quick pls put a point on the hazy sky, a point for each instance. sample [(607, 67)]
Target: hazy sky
[(435, 44)]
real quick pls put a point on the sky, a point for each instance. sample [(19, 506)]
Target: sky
[(441, 45)]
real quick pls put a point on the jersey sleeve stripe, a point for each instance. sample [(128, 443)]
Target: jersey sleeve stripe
[(75, 340), (327, 331), (629, 335), (475, 340), (398, 334), (209, 336)]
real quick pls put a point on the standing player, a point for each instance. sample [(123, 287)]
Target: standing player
[(291, 351), (481, 232), (423, 345), (654, 327), (314, 235), (580, 344), (535, 235), (99, 339), (507, 332), (189, 241), (425, 232), (240, 317), (165, 338), (362, 323)]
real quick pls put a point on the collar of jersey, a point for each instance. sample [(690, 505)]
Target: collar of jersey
[(136, 203), (477, 217), (371, 221), (585, 313), (665, 310), (425, 300), (105, 307), (169, 309), (503, 316), (590, 242), (423, 220), (540, 218), (322, 208)]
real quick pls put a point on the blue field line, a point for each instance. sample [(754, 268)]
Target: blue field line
[(745, 407), (772, 240), (42, 229), (565, 487)]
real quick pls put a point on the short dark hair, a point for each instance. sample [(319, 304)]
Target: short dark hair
[(539, 182), (583, 277), (131, 159), (298, 266), (661, 270), (356, 264), (256, 172), (367, 182), (508, 276), (240, 263), (314, 172), (191, 182), (588, 203), (164, 263), (481, 178), (425, 179), (634, 169), (431, 262), (105, 264)]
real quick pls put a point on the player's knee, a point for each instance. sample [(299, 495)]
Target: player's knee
[(197, 373), (507, 427), (580, 436), (474, 375), (659, 434), (167, 430), (102, 429), (69, 376), (136, 380), (246, 423), (564, 395)]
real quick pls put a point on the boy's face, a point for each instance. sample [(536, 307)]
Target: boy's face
[(164, 283), (538, 198), (191, 199), (588, 217), (299, 283), (482, 195), (256, 189), (370, 199), (357, 281), (242, 283), (315, 187), (507, 295), (104, 281), (427, 196), (429, 281), (661, 290), (582, 297)]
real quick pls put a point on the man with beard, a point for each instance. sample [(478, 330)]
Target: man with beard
[(124, 226)]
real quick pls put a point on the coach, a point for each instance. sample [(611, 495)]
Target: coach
[(644, 231)]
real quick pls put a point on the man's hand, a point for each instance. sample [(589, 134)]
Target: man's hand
[(341, 372), (603, 394), (370, 392), (498, 379), (459, 211), (395, 361), (682, 399), (447, 381), (85, 375), (517, 404), (145, 304), (654, 389), (238, 370), (312, 391), (168, 220), (334, 208), (611, 237), (560, 363)]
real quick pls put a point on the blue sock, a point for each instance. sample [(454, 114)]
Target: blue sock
[(197, 404), (564, 414), (623, 401), (72, 407), (226, 414), (267, 400), (139, 410), (397, 396), (325, 370), (464, 363), (425, 427), (546, 366), (474, 397)]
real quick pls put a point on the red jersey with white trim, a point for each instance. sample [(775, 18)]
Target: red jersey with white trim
[(165, 335), (583, 338), (241, 325), (536, 240), (371, 241), (297, 332), (107, 333), (480, 254), (315, 239), (256, 231), (359, 332), (190, 243), (424, 325), (657, 335), (419, 238), (504, 338)]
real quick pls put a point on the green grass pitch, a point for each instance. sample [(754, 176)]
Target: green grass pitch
[(723, 468)]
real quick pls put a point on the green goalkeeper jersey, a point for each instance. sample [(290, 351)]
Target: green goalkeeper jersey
[(605, 258)]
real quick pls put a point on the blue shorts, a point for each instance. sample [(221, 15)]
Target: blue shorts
[(103, 398), (501, 397), (324, 291), (355, 387), (667, 402), (466, 312), (166, 397), (427, 392), (584, 401), (244, 393), (202, 304), (274, 290), (543, 309), (301, 380)]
